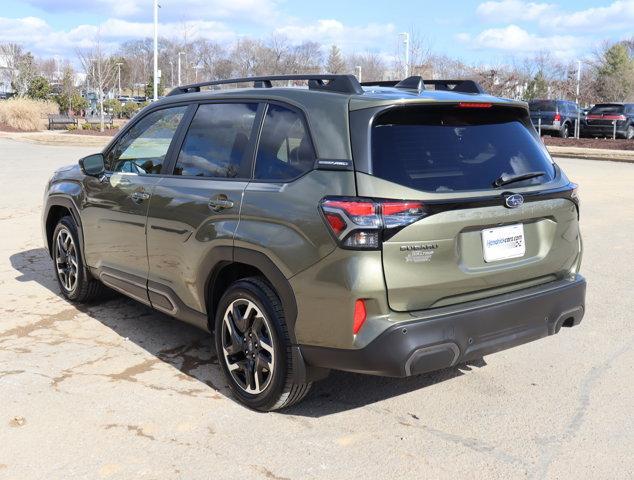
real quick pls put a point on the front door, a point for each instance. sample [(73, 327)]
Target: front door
[(194, 212), (116, 207)]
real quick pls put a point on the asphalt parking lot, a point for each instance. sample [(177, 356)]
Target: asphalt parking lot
[(116, 390)]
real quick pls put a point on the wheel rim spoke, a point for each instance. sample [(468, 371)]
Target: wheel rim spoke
[(247, 347), (66, 261)]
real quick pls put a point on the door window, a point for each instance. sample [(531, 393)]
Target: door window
[(285, 151), (217, 141), (144, 147)]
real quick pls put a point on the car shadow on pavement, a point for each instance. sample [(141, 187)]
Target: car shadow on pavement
[(191, 351)]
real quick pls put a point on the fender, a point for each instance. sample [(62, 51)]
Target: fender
[(66, 201), (223, 256)]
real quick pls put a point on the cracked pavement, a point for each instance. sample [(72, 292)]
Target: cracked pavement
[(116, 390)]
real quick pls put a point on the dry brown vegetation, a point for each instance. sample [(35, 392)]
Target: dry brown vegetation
[(25, 114)]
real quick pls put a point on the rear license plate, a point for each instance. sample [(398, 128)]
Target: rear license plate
[(502, 243)]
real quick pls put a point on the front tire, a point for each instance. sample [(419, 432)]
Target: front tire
[(254, 347), (74, 281)]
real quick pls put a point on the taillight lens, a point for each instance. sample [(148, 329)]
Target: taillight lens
[(557, 117), (360, 223)]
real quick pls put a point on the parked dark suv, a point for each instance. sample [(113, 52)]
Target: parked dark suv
[(385, 228), (556, 117), (604, 117)]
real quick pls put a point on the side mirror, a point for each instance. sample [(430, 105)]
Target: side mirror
[(93, 165)]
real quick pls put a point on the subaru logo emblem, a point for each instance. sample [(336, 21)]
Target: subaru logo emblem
[(513, 201)]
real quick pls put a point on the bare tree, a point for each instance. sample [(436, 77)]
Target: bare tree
[(373, 67), (19, 66), (102, 70)]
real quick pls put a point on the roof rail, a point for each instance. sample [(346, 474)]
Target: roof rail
[(417, 82), (326, 82)]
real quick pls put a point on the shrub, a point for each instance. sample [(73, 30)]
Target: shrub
[(25, 113), (39, 88), (130, 108), (74, 101), (113, 107)]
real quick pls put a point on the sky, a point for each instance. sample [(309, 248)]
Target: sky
[(471, 30)]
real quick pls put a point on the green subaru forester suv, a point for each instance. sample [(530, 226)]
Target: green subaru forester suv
[(388, 228)]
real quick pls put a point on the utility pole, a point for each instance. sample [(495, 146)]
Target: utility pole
[(358, 68), (119, 76), (405, 36), (156, 75)]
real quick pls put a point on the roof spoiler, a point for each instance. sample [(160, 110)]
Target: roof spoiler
[(417, 83), (328, 83)]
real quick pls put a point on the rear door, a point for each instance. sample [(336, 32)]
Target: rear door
[(472, 241), (194, 210)]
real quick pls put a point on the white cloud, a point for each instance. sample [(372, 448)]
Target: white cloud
[(618, 15), (505, 11), (517, 40), (331, 31)]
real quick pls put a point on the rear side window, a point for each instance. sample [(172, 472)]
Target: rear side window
[(542, 106), (455, 149), (217, 141), (285, 151), (606, 109)]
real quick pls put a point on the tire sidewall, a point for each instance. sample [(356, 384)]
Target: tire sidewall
[(249, 291), (68, 224)]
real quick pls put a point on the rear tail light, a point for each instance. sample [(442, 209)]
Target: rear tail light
[(557, 117), (362, 224)]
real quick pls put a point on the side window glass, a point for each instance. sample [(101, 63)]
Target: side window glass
[(143, 148), (217, 141), (285, 151)]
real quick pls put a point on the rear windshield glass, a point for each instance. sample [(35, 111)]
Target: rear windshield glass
[(453, 149), (606, 108), (542, 105)]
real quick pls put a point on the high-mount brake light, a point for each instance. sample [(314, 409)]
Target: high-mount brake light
[(474, 105), (361, 224)]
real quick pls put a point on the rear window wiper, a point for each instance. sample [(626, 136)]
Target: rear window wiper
[(505, 178)]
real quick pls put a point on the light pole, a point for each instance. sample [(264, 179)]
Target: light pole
[(171, 73), (156, 75), (119, 76), (179, 66), (197, 67), (405, 36), (578, 125), (358, 69)]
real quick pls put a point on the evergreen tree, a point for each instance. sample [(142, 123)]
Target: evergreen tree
[(335, 63)]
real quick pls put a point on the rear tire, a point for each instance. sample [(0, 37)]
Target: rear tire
[(629, 133), (254, 347), (564, 132), (73, 278)]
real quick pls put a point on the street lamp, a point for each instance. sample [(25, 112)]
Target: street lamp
[(156, 74), (578, 125), (358, 69), (405, 36)]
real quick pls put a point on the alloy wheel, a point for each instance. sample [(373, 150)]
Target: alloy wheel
[(66, 260), (247, 346)]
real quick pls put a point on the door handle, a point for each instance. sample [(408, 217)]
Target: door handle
[(219, 203), (138, 197)]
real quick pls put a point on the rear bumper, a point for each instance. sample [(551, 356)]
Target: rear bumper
[(603, 130), (446, 336)]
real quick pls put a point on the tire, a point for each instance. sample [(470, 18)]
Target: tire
[(250, 322), (564, 132), (73, 278), (629, 133)]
